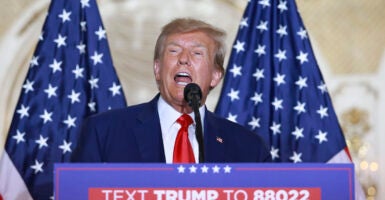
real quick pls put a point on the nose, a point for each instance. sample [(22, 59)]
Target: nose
[(184, 58)]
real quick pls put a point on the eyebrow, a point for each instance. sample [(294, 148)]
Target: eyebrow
[(196, 44)]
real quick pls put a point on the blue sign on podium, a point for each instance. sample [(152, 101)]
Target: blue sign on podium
[(220, 181)]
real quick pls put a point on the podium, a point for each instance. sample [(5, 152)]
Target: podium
[(209, 181)]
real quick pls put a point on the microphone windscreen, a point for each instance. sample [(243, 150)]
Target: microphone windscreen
[(192, 91)]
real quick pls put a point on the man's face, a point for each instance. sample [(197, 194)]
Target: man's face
[(186, 58)]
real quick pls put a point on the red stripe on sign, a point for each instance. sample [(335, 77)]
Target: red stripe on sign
[(204, 193)]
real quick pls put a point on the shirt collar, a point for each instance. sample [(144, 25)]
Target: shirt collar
[(169, 115)]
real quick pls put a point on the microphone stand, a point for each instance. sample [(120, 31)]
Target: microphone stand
[(198, 129)]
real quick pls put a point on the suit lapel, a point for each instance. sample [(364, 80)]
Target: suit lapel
[(148, 133), (214, 139)]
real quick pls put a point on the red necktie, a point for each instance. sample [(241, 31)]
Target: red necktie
[(183, 152)]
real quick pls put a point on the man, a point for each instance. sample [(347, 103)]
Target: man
[(187, 51)]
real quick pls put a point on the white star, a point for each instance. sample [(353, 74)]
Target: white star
[(254, 123), (181, 169), (65, 16), (97, 58), (55, 65), (46, 116), (216, 169), (244, 23), (257, 98), (232, 117), (85, 3), (280, 79), (298, 133), (260, 50), (74, 96), (321, 136), (23, 111), (51, 91), (28, 86), (34, 61), (115, 89), (300, 107), (101, 33), (323, 112), (83, 25), (277, 103), (204, 169), (282, 6), (233, 94), (70, 121), (81, 47), (264, 3), (258, 74), (38, 167), (227, 169), (281, 55), (262, 26), (60, 41), (282, 31), (193, 169), (92, 105), (78, 71), (239, 46), (42, 141), (296, 157), (302, 33), (322, 87), (274, 153), (275, 128), (93, 82), (19, 137), (301, 82), (302, 57), (236, 70), (66, 147)]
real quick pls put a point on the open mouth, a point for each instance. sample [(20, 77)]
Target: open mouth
[(182, 78)]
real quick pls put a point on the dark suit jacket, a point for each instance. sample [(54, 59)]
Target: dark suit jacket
[(133, 134)]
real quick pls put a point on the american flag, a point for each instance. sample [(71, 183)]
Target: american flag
[(71, 76), (274, 87)]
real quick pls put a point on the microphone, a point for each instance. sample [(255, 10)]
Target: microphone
[(193, 95)]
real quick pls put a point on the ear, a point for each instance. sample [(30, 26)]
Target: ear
[(216, 77), (157, 70)]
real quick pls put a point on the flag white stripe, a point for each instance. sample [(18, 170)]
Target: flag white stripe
[(12, 186)]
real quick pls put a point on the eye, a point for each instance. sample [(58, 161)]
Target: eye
[(197, 53), (172, 50)]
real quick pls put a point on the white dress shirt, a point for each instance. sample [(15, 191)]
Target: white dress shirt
[(168, 116)]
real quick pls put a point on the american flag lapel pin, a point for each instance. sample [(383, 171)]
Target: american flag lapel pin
[(219, 139)]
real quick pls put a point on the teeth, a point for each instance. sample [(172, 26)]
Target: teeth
[(183, 74), (182, 78), (182, 83)]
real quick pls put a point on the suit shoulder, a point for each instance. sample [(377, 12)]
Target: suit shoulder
[(227, 124), (120, 113)]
